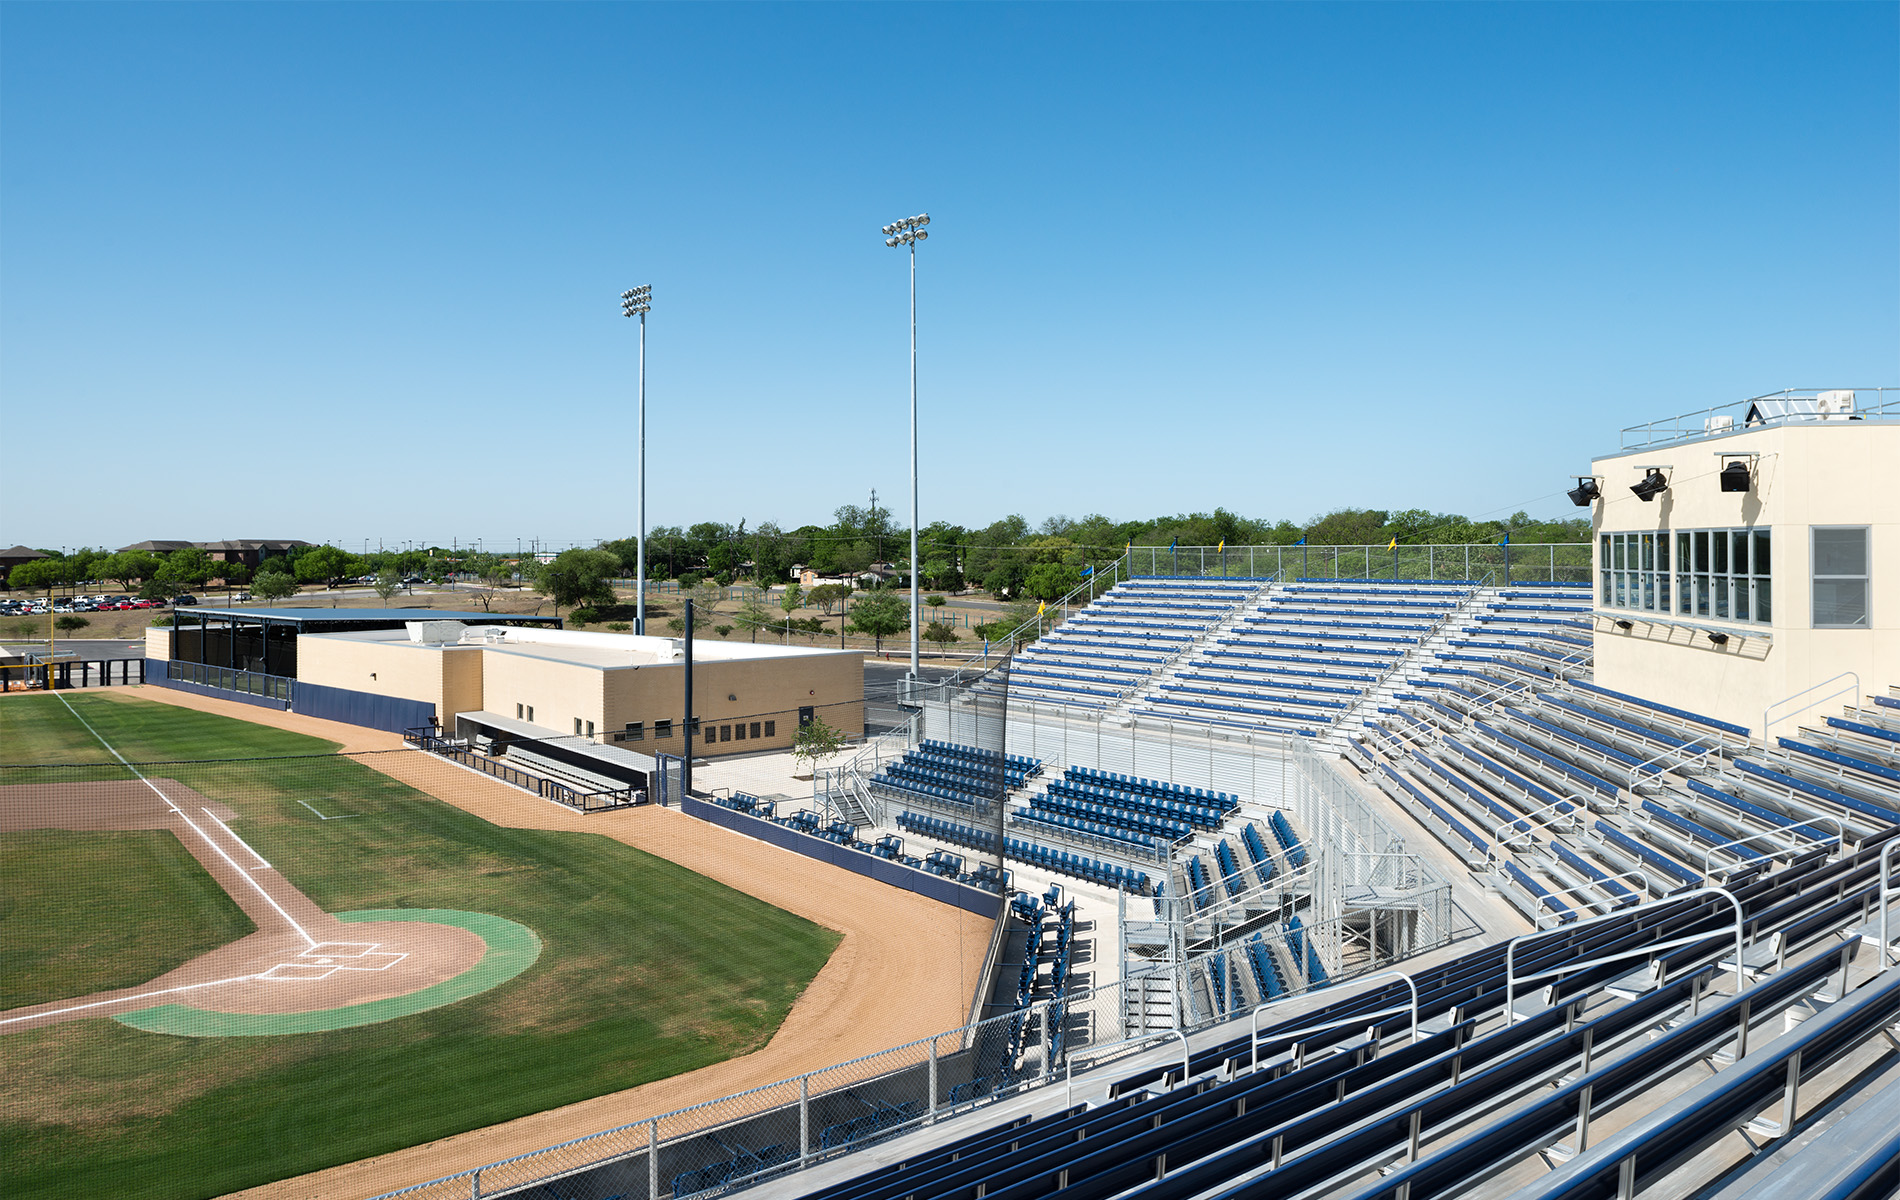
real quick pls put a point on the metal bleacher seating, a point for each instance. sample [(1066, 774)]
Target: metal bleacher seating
[(1348, 1099)]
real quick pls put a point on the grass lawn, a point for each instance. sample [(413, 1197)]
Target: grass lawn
[(648, 970), (84, 912)]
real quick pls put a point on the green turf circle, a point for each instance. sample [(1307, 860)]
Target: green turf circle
[(512, 949)]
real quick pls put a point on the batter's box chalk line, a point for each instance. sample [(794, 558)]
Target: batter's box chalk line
[(299, 972), (340, 949)]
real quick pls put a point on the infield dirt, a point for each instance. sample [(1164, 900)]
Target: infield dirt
[(903, 970)]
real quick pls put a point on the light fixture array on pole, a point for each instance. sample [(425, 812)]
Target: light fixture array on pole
[(635, 302), (906, 234)]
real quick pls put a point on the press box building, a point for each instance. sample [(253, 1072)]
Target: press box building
[(1748, 558)]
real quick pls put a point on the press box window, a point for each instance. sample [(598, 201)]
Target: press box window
[(771, 729), (662, 729), (738, 734), (636, 731), (755, 729), (1841, 577)]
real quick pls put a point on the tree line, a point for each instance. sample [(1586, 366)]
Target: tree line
[(1010, 559)]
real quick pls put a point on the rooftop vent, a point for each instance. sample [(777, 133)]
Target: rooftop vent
[(435, 633)]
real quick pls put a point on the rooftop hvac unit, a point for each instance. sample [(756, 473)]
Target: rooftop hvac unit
[(435, 633), (1718, 424), (1837, 404)]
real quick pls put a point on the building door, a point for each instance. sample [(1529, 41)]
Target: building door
[(805, 715)]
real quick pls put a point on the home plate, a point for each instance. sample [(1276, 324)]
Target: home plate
[(298, 971)]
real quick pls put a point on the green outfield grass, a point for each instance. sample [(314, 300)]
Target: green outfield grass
[(648, 970), (84, 912)]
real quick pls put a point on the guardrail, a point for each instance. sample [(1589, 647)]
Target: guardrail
[(251, 683), (1786, 407), (428, 740)]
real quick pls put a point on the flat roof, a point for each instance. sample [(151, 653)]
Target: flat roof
[(608, 755), (302, 616)]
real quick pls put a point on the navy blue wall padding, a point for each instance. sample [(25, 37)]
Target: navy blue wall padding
[(934, 887), (158, 678), (391, 713)]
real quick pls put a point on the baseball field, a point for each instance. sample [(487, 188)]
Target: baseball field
[(260, 958)]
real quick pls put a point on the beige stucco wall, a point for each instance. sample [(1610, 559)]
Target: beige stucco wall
[(739, 692), (1821, 473), (558, 692), (449, 678), (734, 686), (158, 643)]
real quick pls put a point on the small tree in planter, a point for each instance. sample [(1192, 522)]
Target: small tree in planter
[(814, 743)]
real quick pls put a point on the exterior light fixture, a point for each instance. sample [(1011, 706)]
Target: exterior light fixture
[(1585, 491), (1653, 484), (1738, 472), (1621, 624), (1720, 639), (906, 234)]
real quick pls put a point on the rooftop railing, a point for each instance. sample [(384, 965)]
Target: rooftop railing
[(1790, 406)]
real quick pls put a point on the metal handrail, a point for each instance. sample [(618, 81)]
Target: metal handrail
[(1636, 772), (1510, 949), (1068, 1061), (1253, 1019), (1638, 876), (1674, 429), (1767, 725), (1840, 836), (1886, 885)]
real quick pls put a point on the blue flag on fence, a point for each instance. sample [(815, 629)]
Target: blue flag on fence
[(1088, 570), (1302, 540), (1506, 541), (1173, 544)]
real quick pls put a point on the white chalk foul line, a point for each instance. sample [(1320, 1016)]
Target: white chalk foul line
[(54, 1012), (183, 816), (234, 837)]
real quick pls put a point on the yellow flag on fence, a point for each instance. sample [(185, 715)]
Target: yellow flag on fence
[(1222, 548), (1041, 606), (1393, 544)]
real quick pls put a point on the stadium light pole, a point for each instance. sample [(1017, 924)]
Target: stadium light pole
[(635, 302), (907, 233)]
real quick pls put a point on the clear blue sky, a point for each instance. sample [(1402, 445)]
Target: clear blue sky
[(351, 271)]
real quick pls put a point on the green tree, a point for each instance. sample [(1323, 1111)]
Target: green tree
[(939, 633), (71, 623), (387, 584), (934, 601), (1051, 580), (578, 577), (273, 583), (722, 630), (326, 565), (815, 742), (40, 574), (752, 617), (881, 615), (826, 596)]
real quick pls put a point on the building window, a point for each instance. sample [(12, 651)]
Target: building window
[(1718, 573), (662, 729), (725, 733), (739, 732), (636, 731), (577, 726), (755, 729), (771, 729), (590, 731), (1841, 577), (517, 712), (530, 712)]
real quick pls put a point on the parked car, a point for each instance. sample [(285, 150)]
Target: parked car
[(184, 599), (242, 596)]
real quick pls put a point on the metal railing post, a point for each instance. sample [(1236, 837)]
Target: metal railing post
[(653, 1159), (1886, 887), (933, 1081), (804, 1118)]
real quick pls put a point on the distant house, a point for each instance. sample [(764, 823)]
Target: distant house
[(13, 557), (809, 578)]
